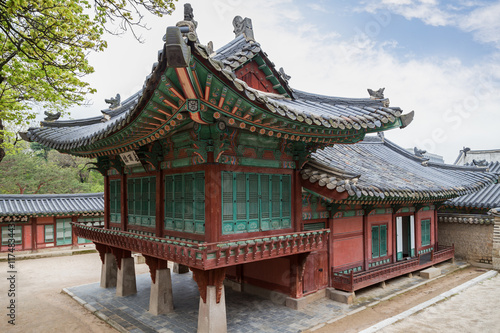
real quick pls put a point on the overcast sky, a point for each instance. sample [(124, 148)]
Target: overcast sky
[(439, 58)]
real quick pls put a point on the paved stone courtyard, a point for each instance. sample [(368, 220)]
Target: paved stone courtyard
[(245, 312)]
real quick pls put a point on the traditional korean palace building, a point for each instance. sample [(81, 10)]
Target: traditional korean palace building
[(41, 221), (219, 165)]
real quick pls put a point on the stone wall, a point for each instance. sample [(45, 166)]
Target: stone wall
[(496, 244), (473, 242)]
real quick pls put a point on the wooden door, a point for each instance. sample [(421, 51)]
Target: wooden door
[(315, 272)]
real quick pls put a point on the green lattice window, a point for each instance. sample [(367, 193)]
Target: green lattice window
[(425, 227), (95, 221), (114, 200), (15, 233), (185, 202), (255, 202), (63, 231), (141, 199), (379, 241), (49, 233)]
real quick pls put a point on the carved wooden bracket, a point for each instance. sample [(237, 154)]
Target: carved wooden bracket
[(119, 254), (155, 264), (213, 277), (102, 249)]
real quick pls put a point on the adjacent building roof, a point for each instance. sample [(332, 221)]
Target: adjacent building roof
[(377, 169), (188, 71), (51, 204), (487, 197), (468, 156)]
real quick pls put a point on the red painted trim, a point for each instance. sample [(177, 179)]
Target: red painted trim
[(239, 168), (180, 234), (366, 235), (213, 205), (347, 235), (259, 234)]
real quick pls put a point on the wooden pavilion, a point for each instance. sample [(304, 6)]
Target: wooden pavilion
[(219, 165)]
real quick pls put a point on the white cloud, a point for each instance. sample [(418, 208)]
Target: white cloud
[(454, 105)]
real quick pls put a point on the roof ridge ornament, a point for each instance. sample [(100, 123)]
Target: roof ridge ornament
[(243, 27), (188, 23), (379, 94), (51, 116), (114, 102), (419, 152)]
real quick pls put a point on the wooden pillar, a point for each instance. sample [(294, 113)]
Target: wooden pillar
[(366, 237), (34, 234), (331, 253), (159, 204), (394, 239), (297, 265), (436, 243), (212, 310), (124, 203), (213, 205), (297, 201), (74, 237), (106, 202)]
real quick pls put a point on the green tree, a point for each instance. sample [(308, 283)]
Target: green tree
[(44, 46), (25, 172)]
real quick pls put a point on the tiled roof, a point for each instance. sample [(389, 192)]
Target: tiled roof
[(379, 169), (326, 113), (51, 204), (487, 197)]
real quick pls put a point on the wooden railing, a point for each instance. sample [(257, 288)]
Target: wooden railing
[(355, 281), (209, 255)]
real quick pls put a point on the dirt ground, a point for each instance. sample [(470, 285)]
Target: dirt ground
[(41, 307), (403, 302)]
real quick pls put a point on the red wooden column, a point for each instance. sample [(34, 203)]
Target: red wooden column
[(394, 239), (34, 234), (297, 266), (159, 204), (106, 202), (436, 244), (366, 235), (213, 205), (74, 238), (331, 254), (123, 201)]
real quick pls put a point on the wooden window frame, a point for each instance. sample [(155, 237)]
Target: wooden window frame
[(378, 241), (18, 235), (425, 232), (255, 202)]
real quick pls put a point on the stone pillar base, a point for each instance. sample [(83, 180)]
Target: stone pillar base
[(212, 315), (108, 271), (125, 282), (160, 299), (180, 269)]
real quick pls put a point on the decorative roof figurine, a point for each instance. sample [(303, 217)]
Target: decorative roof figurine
[(51, 116), (114, 102), (243, 27), (419, 152), (379, 94)]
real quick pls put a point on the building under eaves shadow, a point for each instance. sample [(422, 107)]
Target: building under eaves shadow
[(219, 165)]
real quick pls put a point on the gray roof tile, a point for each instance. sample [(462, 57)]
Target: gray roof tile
[(51, 204)]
